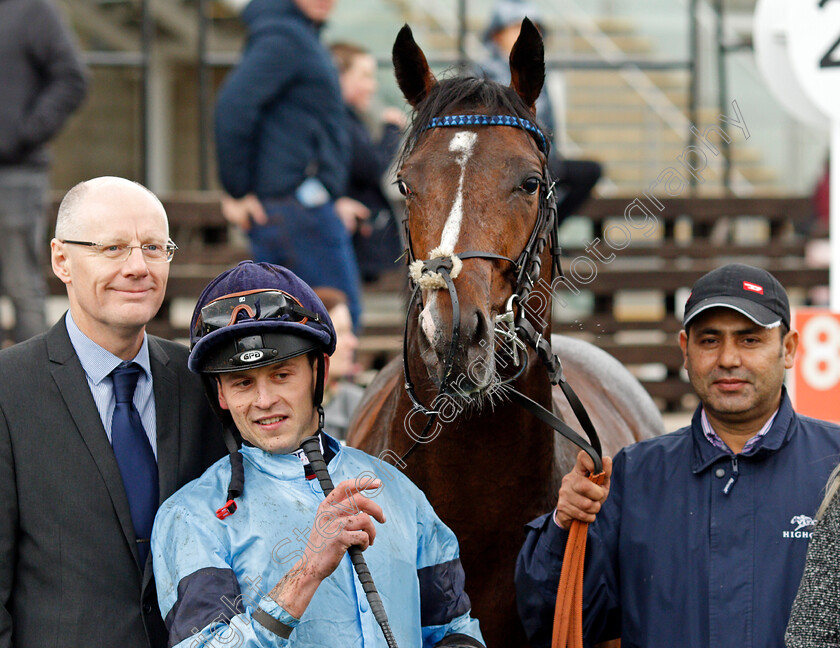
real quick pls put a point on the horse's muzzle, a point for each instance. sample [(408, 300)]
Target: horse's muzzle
[(473, 363)]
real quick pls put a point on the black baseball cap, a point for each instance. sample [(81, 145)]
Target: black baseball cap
[(751, 291)]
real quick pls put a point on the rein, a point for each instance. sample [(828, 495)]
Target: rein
[(438, 272)]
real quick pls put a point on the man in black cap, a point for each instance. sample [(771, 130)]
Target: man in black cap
[(702, 539)]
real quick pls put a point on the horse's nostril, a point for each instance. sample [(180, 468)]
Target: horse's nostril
[(480, 325)]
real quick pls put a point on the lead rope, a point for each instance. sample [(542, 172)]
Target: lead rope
[(568, 611)]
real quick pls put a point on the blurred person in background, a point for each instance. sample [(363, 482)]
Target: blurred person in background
[(376, 241), (815, 618), (341, 394), (43, 82), (575, 178), (283, 149)]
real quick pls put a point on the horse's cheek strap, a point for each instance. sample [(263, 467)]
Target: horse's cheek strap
[(568, 612)]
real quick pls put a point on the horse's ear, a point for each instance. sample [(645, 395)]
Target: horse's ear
[(527, 64), (414, 77)]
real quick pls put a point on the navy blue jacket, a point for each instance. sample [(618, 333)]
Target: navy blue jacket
[(369, 161), (673, 561), (279, 114), (378, 249), (42, 79)]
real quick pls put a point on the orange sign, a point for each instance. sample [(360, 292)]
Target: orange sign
[(814, 382)]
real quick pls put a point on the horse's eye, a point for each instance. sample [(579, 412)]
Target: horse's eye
[(531, 185), (403, 187)]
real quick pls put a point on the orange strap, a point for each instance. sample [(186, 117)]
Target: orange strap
[(568, 612)]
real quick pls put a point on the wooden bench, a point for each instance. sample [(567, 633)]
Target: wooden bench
[(692, 237), (207, 246)]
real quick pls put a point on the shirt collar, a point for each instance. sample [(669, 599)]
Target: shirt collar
[(713, 437), (97, 362), (290, 466), (776, 435), (301, 455)]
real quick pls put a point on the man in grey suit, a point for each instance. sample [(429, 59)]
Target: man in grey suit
[(82, 467)]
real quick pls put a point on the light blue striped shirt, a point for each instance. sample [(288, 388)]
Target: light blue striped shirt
[(98, 364)]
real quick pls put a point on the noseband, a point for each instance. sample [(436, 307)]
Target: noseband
[(442, 268)]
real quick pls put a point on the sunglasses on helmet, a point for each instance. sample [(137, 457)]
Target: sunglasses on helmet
[(256, 305)]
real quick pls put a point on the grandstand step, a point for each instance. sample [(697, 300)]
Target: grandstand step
[(607, 135)]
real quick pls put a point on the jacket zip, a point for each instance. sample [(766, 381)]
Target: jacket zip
[(733, 477)]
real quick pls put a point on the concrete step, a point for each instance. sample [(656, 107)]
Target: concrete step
[(615, 25), (622, 95), (639, 115), (758, 174), (630, 153), (620, 135), (612, 78), (632, 44)]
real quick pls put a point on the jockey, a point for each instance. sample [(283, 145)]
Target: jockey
[(251, 552)]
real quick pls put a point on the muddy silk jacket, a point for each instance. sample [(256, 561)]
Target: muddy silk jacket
[(211, 574), (672, 560)]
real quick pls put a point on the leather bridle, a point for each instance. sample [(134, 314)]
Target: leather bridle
[(515, 328)]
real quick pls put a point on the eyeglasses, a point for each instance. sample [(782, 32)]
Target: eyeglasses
[(152, 252), (257, 305)]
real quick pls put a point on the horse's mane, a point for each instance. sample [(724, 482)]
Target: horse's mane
[(464, 95)]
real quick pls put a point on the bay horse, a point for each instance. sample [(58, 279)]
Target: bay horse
[(478, 224)]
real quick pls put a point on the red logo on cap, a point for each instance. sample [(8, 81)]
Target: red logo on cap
[(753, 287)]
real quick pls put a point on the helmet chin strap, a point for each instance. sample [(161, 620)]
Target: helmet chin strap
[(318, 396), (320, 419), (237, 473)]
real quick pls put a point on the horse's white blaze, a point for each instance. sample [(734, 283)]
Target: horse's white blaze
[(463, 145)]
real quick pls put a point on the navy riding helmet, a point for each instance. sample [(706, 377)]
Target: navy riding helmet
[(254, 315)]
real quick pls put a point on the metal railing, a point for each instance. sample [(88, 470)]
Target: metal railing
[(140, 60)]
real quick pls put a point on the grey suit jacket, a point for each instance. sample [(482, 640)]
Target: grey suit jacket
[(70, 574)]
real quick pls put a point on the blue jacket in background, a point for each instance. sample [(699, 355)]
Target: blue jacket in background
[(673, 561), (279, 114), (43, 81), (212, 574), (381, 248)]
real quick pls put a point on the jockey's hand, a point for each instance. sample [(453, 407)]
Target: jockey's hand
[(579, 498), (344, 518), (244, 212), (351, 212)]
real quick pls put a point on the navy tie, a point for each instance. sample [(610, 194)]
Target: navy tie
[(134, 456)]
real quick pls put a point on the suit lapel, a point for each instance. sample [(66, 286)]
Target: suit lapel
[(167, 418), (71, 381)]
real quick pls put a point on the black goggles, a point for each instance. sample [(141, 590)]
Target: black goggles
[(256, 305)]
